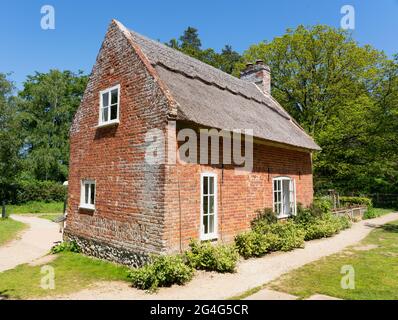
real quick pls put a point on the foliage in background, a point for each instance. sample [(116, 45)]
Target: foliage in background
[(10, 142), (46, 106), (346, 97), (352, 201), (36, 190), (190, 44)]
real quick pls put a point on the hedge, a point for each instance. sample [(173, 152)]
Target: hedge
[(35, 190), (350, 201)]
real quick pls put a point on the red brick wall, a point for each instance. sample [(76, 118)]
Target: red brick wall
[(139, 206), (238, 195), (129, 193)]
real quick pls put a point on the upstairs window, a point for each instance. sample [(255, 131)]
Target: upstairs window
[(87, 195), (109, 106)]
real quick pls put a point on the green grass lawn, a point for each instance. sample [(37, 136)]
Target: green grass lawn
[(375, 266), (73, 272), (36, 207), (9, 229)]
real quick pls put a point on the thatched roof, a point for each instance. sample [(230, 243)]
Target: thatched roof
[(212, 98)]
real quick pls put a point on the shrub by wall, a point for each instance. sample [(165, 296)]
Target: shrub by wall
[(206, 256), (163, 271)]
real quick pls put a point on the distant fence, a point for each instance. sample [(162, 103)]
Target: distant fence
[(384, 200), (353, 213)]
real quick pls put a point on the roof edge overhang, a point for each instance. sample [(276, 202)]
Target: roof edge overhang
[(256, 140)]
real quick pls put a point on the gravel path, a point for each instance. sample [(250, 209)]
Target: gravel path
[(251, 273), (33, 243)]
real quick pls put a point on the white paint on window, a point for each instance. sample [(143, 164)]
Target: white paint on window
[(109, 106), (284, 196), (208, 206), (87, 195)]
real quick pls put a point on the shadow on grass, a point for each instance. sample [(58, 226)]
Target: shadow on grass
[(390, 227), (4, 295)]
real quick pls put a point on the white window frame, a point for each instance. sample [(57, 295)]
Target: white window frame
[(292, 189), (114, 121), (214, 234), (83, 204)]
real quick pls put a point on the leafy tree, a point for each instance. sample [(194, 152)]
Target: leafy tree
[(9, 141), (343, 95), (46, 107), (190, 44), (190, 40)]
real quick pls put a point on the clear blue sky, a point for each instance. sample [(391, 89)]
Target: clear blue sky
[(81, 25)]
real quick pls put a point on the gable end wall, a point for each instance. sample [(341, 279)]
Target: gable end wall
[(127, 224)]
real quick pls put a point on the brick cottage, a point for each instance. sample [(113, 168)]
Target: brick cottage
[(122, 207)]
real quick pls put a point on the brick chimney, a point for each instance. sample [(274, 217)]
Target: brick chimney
[(258, 73)]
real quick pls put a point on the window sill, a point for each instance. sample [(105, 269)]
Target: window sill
[(108, 124), (209, 237), (87, 208)]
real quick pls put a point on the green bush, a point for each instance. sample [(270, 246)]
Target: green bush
[(321, 205), (264, 216), (289, 236), (351, 201), (345, 223), (206, 256), (163, 271), (254, 244), (68, 246), (34, 190), (324, 226)]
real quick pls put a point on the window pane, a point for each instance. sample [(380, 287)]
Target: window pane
[(205, 205), (105, 99), (211, 223), (92, 194), (205, 224), (211, 184), (86, 193), (205, 185), (211, 208), (105, 114), (114, 112), (275, 196), (114, 96)]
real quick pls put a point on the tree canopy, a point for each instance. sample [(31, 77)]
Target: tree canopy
[(345, 96)]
